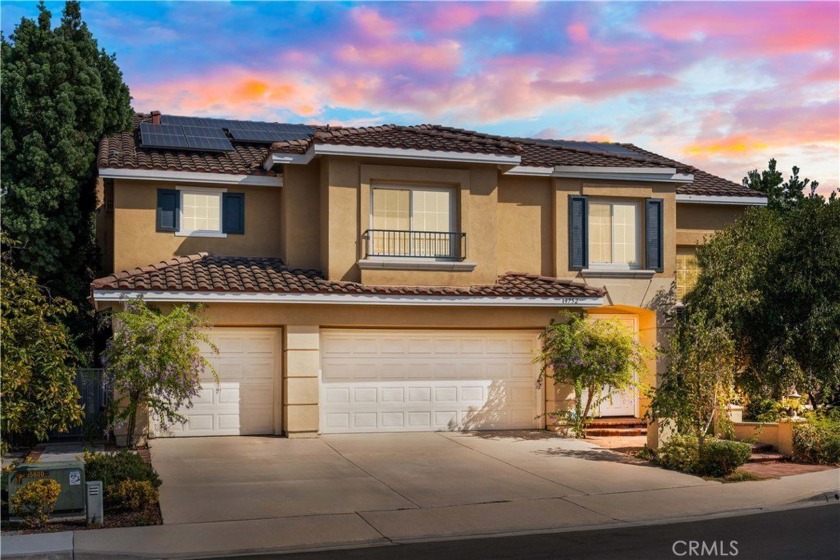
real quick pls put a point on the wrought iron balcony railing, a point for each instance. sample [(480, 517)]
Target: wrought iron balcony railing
[(450, 245)]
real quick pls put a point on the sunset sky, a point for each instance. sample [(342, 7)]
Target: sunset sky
[(724, 86)]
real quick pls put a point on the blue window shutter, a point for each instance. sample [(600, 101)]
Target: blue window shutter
[(654, 259), (578, 232), (233, 212), (168, 209)]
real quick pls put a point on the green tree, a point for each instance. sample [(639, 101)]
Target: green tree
[(699, 381), (61, 94), (781, 194), (37, 360), (155, 363), (590, 355), (772, 279)]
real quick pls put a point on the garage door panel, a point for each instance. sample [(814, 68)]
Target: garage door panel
[(242, 402), (467, 379)]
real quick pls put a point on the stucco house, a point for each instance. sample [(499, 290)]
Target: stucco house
[(393, 278)]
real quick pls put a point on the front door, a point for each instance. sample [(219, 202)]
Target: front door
[(619, 403)]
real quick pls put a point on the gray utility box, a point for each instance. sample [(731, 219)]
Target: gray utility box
[(69, 474)]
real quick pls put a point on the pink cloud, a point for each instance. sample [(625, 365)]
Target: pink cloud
[(370, 22), (443, 56), (746, 29), (578, 32)]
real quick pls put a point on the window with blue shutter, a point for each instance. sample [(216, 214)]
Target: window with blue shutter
[(168, 209), (654, 258), (233, 212), (578, 243)]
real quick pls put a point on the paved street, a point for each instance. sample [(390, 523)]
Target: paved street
[(807, 533)]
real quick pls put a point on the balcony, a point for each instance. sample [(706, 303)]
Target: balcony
[(432, 245)]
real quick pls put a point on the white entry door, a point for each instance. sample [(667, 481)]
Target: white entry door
[(418, 380), (619, 403), (243, 401)]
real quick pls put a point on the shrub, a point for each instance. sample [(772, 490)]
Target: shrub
[(764, 410), (678, 454), (720, 457), (114, 468), (136, 494), (817, 441), (35, 501)]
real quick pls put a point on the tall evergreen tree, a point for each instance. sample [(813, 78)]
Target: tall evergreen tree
[(781, 194), (61, 94)]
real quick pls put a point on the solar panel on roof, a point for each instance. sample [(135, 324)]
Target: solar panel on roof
[(184, 137), (602, 147), (175, 120), (265, 136), (209, 144), (162, 136)]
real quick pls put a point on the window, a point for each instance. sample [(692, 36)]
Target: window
[(200, 212), (687, 271), (615, 232), (413, 222)]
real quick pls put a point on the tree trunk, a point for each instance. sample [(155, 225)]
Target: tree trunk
[(132, 419), (584, 420)]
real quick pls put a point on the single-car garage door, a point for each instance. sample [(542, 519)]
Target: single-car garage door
[(419, 380), (243, 401)]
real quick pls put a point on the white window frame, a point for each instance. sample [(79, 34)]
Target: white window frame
[(453, 201), (201, 233), (639, 235)]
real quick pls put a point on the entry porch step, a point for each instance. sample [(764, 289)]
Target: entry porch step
[(617, 426), (764, 453)]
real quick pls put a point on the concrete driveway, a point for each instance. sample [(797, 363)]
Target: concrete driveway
[(419, 475)]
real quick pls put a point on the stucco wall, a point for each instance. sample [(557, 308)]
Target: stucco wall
[(525, 224), (137, 243), (697, 222)]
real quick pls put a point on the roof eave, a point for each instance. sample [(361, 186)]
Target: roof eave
[(163, 296), (646, 174)]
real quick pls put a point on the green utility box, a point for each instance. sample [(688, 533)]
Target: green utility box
[(69, 474)]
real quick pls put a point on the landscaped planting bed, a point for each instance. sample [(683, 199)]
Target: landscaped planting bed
[(130, 495)]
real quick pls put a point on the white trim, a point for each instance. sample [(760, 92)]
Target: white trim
[(190, 176), (287, 159), (648, 174), (339, 299), (734, 200), (388, 153), (531, 171), (399, 263), (615, 273)]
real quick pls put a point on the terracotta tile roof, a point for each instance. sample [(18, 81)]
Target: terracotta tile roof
[(124, 150), (207, 273)]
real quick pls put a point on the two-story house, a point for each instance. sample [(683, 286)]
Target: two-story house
[(393, 278)]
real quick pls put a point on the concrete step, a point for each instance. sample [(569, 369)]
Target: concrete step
[(603, 432), (761, 447), (618, 423), (766, 457)]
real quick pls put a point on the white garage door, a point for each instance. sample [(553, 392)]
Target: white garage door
[(396, 381), (243, 402)]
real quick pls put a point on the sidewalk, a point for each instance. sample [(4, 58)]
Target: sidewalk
[(372, 528)]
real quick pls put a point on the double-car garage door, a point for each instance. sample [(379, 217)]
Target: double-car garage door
[(423, 380), (376, 381)]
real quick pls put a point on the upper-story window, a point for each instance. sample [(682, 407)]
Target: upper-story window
[(414, 222), (200, 212), (615, 234)]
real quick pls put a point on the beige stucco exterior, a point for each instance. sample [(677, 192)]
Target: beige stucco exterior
[(137, 243), (317, 219)]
